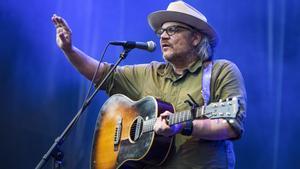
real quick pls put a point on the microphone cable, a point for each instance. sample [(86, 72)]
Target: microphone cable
[(94, 75)]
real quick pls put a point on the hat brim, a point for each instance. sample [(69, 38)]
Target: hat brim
[(156, 19)]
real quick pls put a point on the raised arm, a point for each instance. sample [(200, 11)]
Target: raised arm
[(85, 64)]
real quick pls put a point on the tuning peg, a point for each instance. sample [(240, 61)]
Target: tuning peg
[(231, 121)]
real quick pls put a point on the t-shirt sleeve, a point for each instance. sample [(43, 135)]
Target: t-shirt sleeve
[(230, 84), (127, 80)]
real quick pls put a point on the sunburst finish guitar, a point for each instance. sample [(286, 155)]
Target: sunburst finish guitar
[(124, 135)]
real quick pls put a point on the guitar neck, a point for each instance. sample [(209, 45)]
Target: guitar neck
[(175, 118), (227, 110)]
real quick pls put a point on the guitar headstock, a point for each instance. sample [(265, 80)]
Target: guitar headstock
[(223, 109)]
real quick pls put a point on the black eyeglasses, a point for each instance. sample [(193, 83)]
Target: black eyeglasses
[(171, 30)]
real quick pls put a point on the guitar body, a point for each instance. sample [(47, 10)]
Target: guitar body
[(119, 140)]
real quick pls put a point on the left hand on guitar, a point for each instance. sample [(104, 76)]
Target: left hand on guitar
[(162, 128)]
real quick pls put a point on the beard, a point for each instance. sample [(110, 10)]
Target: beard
[(181, 58)]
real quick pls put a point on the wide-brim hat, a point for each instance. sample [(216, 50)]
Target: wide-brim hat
[(182, 12)]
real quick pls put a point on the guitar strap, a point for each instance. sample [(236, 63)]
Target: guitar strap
[(206, 81)]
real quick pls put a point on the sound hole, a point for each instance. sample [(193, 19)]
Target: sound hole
[(136, 129)]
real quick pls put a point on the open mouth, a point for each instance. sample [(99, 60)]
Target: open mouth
[(164, 45)]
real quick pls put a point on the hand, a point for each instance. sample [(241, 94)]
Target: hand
[(63, 33), (161, 127)]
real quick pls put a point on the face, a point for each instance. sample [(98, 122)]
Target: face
[(177, 46)]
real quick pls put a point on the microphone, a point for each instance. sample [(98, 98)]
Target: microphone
[(149, 46)]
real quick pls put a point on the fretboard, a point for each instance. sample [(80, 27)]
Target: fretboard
[(174, 118)]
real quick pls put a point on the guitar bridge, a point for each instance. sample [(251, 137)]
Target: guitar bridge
[(117, 136)]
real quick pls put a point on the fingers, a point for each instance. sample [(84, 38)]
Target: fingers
[(162, 119), (63, 33), (55, 19), (160, 125), (63, 37), (165, 114), (59, 22)]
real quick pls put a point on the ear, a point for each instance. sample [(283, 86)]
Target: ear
[(196, 39)]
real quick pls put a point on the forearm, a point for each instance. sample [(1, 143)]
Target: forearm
[(217, 129), (85, 64)]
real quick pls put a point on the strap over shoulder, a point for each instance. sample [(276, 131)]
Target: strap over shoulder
[(206, 78)]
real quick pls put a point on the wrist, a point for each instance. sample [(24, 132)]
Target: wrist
[(187, 129), (68, 49), (177, 128)]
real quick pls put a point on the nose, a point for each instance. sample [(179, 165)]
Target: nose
[(164, 35)]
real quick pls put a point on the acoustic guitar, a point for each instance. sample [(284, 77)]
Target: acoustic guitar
[(124, 135)]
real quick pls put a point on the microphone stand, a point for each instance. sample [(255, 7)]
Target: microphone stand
[(54, 150)]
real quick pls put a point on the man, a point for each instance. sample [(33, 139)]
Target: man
[(187, 42)]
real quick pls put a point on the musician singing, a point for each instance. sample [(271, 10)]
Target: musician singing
[(187, 43)]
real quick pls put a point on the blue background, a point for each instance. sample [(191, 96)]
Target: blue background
[(41, 91)]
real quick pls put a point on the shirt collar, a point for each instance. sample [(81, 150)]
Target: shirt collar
[(166, 70)]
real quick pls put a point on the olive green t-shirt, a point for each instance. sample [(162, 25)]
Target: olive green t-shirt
[(159, 80)]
